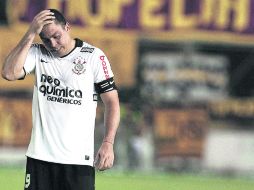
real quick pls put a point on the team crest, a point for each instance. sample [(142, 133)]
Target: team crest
[(79, 65)]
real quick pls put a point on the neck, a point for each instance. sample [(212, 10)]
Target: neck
[(71, 46)]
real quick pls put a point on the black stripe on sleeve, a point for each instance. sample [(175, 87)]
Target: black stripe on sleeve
[(105, 86), (22, 78)]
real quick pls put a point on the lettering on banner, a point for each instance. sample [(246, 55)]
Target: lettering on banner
[(230, 15)]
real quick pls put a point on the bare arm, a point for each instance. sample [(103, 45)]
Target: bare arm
[(14, 62), (105, 156)]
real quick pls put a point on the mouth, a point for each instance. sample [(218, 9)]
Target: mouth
[(55, 49)]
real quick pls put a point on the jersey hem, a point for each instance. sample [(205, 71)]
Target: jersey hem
[(87, 163)]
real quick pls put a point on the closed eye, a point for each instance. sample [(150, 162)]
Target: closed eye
[(58, 37), (45, 40)]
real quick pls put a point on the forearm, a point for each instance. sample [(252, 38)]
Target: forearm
[(111, 120), (14, 62)]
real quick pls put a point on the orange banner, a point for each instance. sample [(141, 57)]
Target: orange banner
[(180, 132), (15, 121)]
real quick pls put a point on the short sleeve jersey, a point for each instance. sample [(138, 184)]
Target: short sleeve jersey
[(64, 102)]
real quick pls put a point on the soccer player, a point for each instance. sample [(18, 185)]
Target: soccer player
[(69, 75)]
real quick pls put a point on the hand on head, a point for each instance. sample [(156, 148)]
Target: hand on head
[(41, 19)]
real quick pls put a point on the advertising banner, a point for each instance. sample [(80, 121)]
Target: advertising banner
[(180, 132), (15, 122), (189, 77), (236, 16)]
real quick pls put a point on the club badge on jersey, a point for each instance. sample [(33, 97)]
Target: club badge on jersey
[(79, 65)]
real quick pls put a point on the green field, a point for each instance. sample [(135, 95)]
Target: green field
[(13, 179)]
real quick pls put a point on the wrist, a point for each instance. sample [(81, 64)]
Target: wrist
[(30, 35), (28, 38), (109, 142)]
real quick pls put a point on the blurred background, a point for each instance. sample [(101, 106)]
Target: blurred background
[(185, 73)]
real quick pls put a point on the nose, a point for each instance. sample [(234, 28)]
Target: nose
[(53, 43)]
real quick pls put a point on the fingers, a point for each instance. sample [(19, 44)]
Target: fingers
[(43, 18), (96, 161), (103, 162), (45, 15), (108, 163), (105, 157)]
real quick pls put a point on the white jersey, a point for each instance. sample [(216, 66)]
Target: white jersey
[(64, 102)]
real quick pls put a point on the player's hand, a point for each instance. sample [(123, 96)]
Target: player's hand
[(42, 18), (105, 157)]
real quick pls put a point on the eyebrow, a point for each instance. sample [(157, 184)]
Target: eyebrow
[(43, 37)]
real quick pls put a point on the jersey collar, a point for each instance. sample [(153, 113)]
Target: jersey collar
[(78, 43)]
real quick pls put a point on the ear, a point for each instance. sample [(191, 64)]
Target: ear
[(67, 27)]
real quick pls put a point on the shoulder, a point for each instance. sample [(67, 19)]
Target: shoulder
[(88, 48), (39, 48)]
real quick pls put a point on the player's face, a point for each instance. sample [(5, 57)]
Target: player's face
[(56, 38)]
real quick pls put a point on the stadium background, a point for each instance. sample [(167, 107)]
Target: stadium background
[(184, 69)]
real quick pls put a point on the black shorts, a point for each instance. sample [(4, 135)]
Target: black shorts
[(41, 175)]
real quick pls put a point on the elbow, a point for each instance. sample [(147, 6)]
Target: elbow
[(7, 76), (4, 75)]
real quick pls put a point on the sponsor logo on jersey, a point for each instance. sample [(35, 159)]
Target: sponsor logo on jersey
[(87, 49), (51, 88), (95, 97), (87, 157), (43, 61), (104, 66), (79, 65)]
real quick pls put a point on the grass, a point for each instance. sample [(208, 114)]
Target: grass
[(13, 179)]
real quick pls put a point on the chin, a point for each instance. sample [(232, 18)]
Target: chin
[(56, 53)]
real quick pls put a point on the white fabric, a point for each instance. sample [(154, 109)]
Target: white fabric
[(63, 103)]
